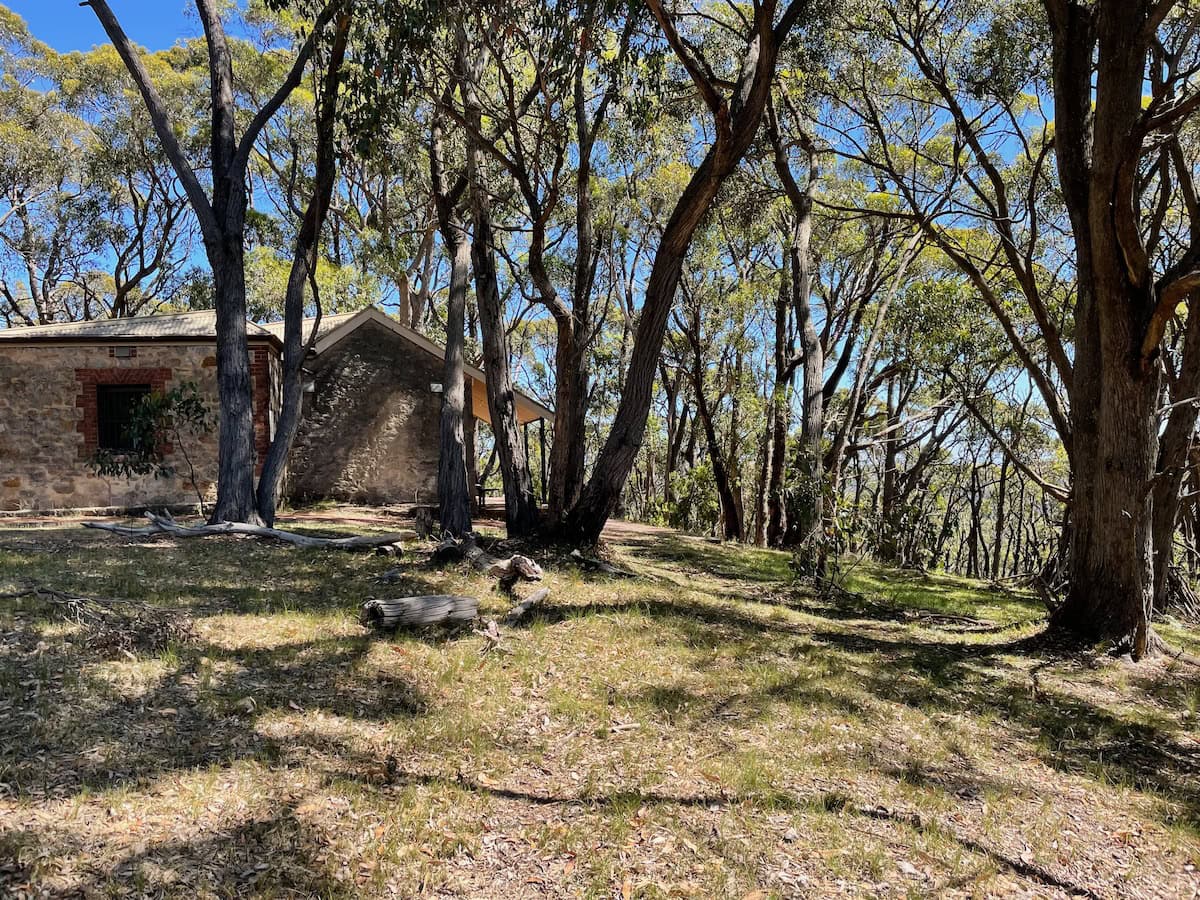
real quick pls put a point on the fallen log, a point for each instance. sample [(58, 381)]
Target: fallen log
[(515, 567), (526, 606), (414, 612), (511, 570), (165, 524)]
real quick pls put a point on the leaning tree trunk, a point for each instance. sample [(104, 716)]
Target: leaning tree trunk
[(737, 121), (520, 506), (303, 272)]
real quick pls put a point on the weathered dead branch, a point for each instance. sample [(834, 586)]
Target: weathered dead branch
[(115, 624), (511, 570), (166, 524), (599, 565), (526, 606)]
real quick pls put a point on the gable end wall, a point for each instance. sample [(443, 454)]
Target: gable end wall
[(370, 431)]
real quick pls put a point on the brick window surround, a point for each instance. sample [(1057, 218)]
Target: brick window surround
[(260, 375), (88, 379)]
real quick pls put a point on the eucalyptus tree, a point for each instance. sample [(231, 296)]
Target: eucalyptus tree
[(93, 223), (954, 114), (804, 525), (220, 211), (1121, 169), (714, 344), (303, 273), (520, 504), (454, 491), (554, 73), (736, 115)]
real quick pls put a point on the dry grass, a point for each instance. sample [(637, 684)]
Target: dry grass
[(705, 730)]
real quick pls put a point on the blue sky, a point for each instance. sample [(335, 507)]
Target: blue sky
[(65, 25)]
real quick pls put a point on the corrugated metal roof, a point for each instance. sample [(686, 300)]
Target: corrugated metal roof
[(202, 326), (328, 323), (172, 326)]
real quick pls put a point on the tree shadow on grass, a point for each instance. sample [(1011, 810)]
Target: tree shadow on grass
[(204, 711), (849, 606), (947, 675), (636, 798), (220, 575), (268, 854), (679, 705), (1073, 734)]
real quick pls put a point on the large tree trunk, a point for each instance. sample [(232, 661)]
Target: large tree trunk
[(236, 501), (454, 489), (1111, 595), (570, 400), (455, 459), (222, 220), (1114, 396)]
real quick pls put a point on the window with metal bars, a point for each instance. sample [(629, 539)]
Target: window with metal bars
[(115, 408)]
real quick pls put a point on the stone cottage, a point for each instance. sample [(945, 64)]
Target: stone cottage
[(369, 432)]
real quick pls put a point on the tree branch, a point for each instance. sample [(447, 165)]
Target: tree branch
[(158, 115), (699, 71), (294, 77)]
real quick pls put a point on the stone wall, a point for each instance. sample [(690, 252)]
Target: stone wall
[(370, 432), (48, 424)]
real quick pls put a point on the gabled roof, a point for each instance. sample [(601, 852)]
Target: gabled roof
[(189, 326), (334, 329), (202, 326), (328, 323)]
